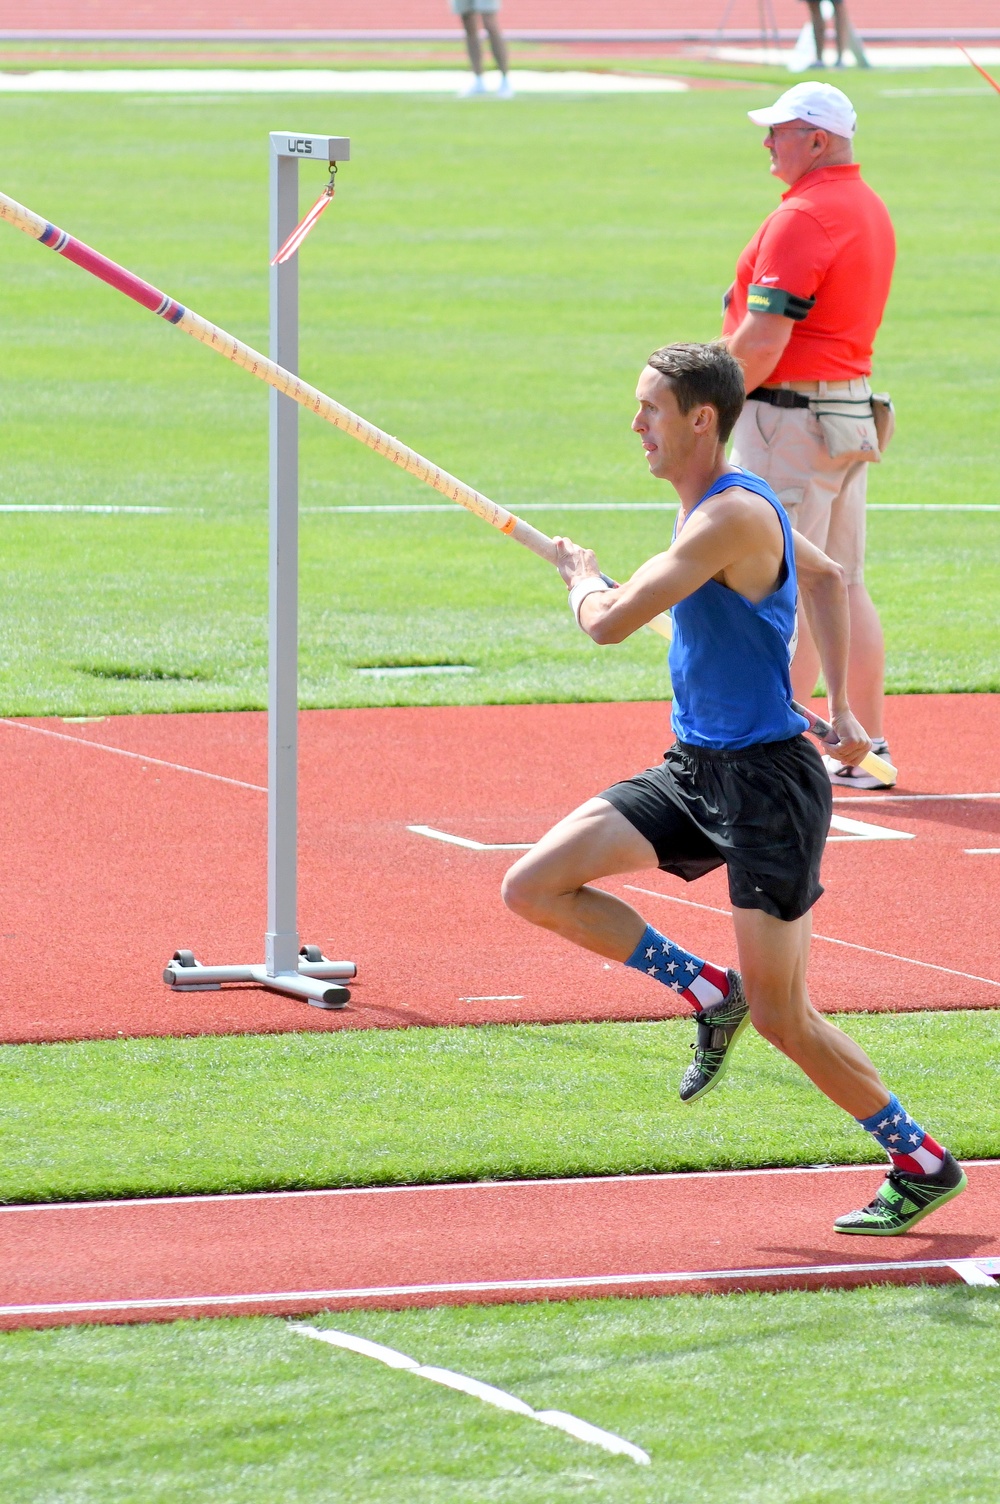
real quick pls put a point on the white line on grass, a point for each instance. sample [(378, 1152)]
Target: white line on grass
[(531, 506), (133, 511), (475, 1287), (82, 741), (850, 944), (580, 1429), (623, 506), (320, 81)]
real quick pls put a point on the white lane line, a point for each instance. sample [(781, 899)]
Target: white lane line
[(179, 767), (443, 835), (829, 939), (580, 1429), (982, 850), (471, 1287)]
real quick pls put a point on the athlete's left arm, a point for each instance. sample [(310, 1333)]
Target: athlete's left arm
[(824, 599), (706, 547)]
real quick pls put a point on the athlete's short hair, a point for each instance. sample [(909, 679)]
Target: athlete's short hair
[(704, 373)]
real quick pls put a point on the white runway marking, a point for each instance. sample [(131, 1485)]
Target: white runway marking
[(580, 1429), (159, 762), (324, 81), (860, 830), (829, 939), (856, 830), (442, 835)]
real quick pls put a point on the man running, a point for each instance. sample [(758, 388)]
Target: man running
[(741, 785)]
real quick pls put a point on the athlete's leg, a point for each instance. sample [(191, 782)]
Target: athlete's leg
[(773, 959), (547, 886)]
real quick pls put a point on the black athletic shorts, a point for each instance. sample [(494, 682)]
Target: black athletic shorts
[(764, 811)]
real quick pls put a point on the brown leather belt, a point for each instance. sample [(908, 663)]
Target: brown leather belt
[(777, 396)]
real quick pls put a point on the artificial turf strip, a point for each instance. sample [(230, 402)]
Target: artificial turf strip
[(764, 1399), (170, 1116), (487, 286)]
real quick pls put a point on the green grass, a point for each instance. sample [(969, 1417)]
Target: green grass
[(169, 1116), (776, 1399), (487, 285)]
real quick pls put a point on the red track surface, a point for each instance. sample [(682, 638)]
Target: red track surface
[(331, 15), (452, 1245), (114, 862)]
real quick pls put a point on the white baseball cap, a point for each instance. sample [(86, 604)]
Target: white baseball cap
[(821, 105)]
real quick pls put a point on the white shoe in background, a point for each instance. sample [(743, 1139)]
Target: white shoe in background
[(856, 778), (473, 88), (505, 90)]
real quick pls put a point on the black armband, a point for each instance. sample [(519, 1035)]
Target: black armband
[(777, 300)]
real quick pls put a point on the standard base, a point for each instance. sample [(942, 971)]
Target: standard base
[(318, 982)]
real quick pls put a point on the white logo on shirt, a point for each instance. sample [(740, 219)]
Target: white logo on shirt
[(767, 279)]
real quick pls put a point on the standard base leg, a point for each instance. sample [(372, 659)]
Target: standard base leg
[(318, 981)]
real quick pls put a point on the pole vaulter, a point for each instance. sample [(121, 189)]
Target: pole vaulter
[(147, 296)]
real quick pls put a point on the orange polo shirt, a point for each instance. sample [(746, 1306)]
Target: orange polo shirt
[(830, 247)]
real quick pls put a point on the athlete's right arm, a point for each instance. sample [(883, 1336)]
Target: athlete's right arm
[(704, 549)]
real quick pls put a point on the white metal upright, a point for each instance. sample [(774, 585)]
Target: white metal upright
[(301, 971)]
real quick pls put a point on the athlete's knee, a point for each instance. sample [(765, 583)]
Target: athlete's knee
[(525, 891)]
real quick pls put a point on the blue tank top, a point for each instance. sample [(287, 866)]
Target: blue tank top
[(729, 658)]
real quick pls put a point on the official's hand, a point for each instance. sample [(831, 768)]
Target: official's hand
[(853, 744), (573, 562)]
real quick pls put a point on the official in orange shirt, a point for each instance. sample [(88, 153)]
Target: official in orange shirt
[(801, 318)]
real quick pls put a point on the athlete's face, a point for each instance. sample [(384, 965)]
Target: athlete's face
[(668, 435)]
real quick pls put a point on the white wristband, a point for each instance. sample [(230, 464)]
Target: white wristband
[(590, 586)]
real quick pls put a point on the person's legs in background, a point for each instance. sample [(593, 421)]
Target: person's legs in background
[(819, 30), (473, 46), (497, 43)]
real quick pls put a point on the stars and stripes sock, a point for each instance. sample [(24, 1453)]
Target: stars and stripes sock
[(697, 981), (905, 1142)]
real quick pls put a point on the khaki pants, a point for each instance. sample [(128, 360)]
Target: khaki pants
[(824, 498)]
